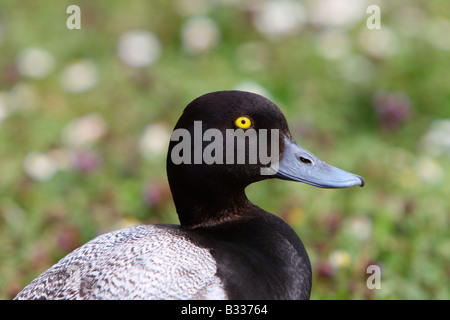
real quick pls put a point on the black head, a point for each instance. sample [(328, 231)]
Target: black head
[(224, 129), (228, 139)]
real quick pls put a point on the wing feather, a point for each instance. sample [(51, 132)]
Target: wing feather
[(144, 262)]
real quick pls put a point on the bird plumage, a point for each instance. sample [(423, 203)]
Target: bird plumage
[(143, 262), (225, 246)]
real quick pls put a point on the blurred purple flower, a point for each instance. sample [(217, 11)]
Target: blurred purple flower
[(39, 258), (10, 74), (333, 222), (68, 238), (86, 161), (324, 270), (155, 193), (393, 109)]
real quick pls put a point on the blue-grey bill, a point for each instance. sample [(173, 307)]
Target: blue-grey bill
[(298, 164)]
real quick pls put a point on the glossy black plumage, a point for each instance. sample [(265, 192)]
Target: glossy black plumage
[(205, 193), (258, 255)]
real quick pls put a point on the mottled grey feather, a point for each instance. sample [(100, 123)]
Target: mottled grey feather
[(144, 262)]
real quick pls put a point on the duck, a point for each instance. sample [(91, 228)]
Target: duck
[(225, 247)]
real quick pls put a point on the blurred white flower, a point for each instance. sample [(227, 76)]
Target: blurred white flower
[(339, 259), (23, 97), (138, 48), (436, 140), (79, 76), (337, 13), (360, 226), (199, 34), (154, 141), (40, 166), (5, 108), (380, 43), (192, 7), (333, 44), (84, 131), (253, 87), (280, 18), (438, 34), (35, 63), (429, 171), (357, 69)]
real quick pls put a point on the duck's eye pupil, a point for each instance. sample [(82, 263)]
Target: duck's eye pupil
[(243, 122)]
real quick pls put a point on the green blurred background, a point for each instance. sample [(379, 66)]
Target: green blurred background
[(85, 116)]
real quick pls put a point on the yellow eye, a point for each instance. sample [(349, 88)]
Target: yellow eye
[(243, 122)]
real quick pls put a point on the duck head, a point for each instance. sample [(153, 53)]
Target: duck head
[(225, 141)]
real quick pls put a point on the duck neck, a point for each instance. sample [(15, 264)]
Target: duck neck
[(203, 206)]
